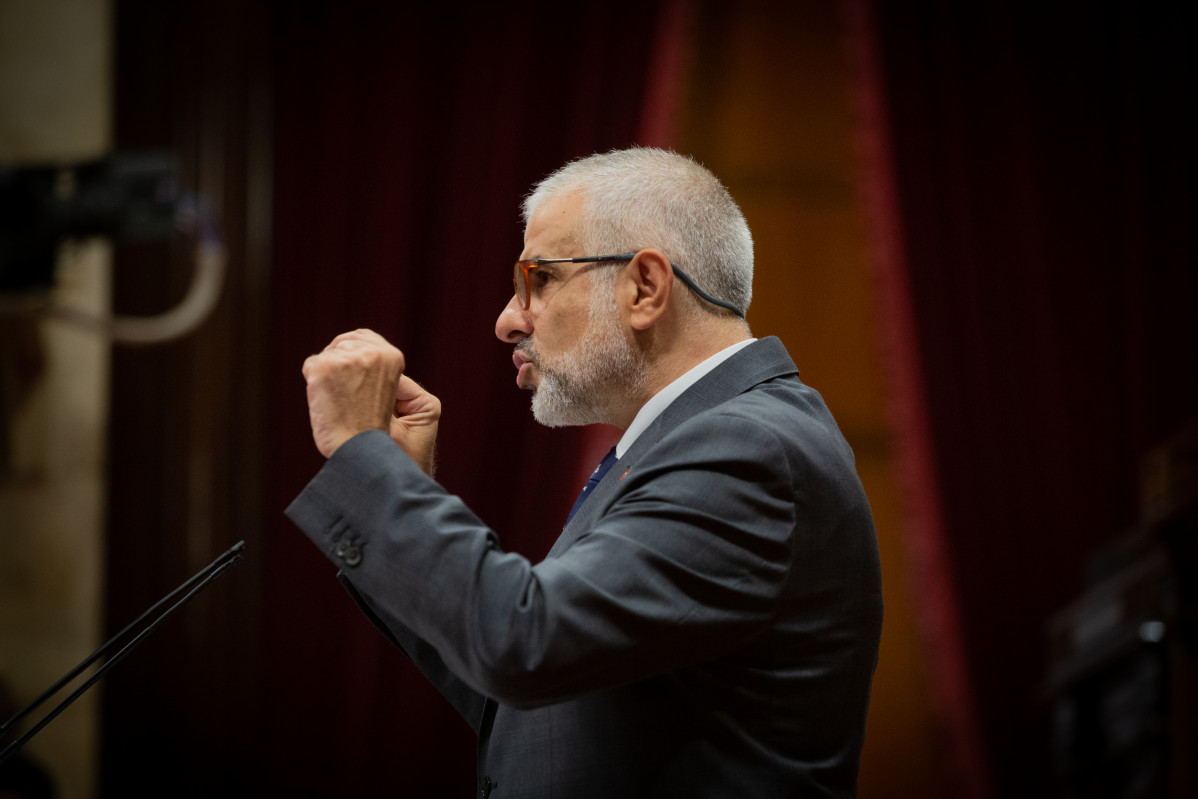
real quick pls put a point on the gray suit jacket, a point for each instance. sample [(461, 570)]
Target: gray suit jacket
[(706, 625)]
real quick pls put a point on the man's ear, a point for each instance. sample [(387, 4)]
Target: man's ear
[(652, 277)]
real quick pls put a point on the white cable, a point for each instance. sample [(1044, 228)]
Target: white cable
[(196, 216), (202, 296)]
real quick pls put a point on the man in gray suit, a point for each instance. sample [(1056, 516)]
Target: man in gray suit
[(707, 624)]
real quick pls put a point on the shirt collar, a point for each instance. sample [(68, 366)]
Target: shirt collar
[(662, 399)]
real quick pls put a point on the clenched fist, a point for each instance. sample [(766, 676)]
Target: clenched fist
[(357, 384)]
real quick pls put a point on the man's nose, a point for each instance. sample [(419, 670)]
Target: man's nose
[(514, 323)]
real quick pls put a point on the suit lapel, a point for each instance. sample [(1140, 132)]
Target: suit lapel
[(763, 360)]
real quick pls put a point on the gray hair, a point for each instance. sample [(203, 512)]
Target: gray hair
[(645, 197)]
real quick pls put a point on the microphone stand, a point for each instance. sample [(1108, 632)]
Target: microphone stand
[(197, 583)]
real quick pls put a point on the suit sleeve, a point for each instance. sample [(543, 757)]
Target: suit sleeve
[(686, 565)]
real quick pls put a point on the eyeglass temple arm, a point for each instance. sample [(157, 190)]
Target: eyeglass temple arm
[(629, 256), (690, 284), (678, 272)]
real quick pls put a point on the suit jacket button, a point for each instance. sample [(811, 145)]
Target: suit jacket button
[(486, 787), (352, 556)]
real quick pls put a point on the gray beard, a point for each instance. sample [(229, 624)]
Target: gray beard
[(588, 383)]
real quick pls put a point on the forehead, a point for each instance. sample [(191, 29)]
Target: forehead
[(550, 231)]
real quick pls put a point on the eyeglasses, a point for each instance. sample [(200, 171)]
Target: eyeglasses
[(524, 295)]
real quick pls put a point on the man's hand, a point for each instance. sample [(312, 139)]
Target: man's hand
[(414, 426), (357, 384)]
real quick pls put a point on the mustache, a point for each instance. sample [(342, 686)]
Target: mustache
[(526, 346)]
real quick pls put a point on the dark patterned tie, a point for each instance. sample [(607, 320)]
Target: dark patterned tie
[(593, 481)]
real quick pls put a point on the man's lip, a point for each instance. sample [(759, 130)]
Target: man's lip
[(523, 367)]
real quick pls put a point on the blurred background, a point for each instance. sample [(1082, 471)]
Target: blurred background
[(975, 232)]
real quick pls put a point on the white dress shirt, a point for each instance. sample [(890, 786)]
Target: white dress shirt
[(662, 399)]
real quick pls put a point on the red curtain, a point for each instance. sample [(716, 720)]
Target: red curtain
[(404, 138), (1033, 186)]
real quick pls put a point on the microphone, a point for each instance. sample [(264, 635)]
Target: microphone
[(198, 582)]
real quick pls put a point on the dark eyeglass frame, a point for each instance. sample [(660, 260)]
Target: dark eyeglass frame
[(522, 268)]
